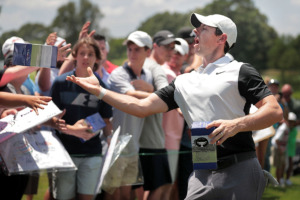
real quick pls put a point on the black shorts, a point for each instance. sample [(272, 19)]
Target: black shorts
[(33, 184), (155, 167), (13, 186)]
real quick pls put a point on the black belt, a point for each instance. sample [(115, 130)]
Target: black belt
[(227, 161)]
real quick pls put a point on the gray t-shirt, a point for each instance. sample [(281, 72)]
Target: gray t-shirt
[(153, 136), (119, 81)]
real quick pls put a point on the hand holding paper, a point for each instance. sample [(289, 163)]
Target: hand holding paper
[(80, 129), (51, 39), (63, 51)]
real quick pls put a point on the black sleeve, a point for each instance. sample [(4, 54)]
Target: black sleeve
[(167, 95), (251, 85)]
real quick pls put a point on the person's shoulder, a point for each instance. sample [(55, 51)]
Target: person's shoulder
[(185, 78), (235, 63), (246, 65), (168, 71), (118, 70), (150, 64), (247, 68), (187, 75), (64, 76)]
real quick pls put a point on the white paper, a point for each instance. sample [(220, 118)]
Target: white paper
[(33, 152), (25, 120), (107, 160), (117, 145)]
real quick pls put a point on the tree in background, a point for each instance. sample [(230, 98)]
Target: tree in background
[(284, 56), (165, 21), (255, 36), (0, 13), (35, 33), (71, 17), (117, 52), (258, 43), (67, 24)]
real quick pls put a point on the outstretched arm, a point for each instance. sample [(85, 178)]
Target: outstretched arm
[(15, 72), (9, 100), (131, 105)]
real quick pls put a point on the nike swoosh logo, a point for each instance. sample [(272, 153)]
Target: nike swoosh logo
[(217, 73)]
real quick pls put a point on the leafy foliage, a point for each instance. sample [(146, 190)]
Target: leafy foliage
[(117, 51), (70, 19), (33, 33), (164, 21), (257, 42), (67, 24), (255, 36)]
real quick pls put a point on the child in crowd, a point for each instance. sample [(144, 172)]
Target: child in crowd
[(291, 151), (279, 142), (79, 104)]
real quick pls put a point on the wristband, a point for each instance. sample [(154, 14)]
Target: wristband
[(102, 93)]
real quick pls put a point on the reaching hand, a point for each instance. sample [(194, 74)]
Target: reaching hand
[(224, 130), (35, 102), (90, 83), (51, 39), (63, 51), (84, 31)]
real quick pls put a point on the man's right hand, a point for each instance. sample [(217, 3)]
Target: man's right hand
[(90, 83)]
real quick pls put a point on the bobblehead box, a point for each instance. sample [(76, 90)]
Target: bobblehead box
[(37, 55), (204, 154)]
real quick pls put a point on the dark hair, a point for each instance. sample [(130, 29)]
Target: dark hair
[(8, 61), (89, 41), (99, 37), (226, 48)]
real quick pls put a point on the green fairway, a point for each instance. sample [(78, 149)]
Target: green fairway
[(286, 193), (271, 193)]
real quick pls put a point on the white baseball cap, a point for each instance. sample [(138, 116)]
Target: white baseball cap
[(225, 24), (8, 46), (183, 47), (292, 116), (140, 38), (59, 40)]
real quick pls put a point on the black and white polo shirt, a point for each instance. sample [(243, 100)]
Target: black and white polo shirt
[(224, 89)]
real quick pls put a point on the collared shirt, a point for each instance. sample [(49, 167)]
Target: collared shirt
[(224, 89), (120, 81)]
